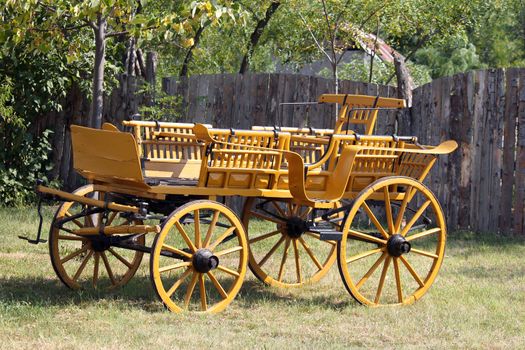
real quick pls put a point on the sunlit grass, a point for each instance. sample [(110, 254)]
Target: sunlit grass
[(478, 301)]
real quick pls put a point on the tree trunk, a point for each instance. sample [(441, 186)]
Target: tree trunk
[(98, 72), (189, 54), (405, 84), (256, 35)]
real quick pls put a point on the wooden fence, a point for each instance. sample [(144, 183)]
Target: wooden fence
[(481, 186)]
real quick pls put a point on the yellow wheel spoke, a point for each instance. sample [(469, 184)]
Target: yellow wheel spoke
[(75, 221), (283, 260), (95, 270), (424, 253), (364, 255), (196, 220), (174, 266), (121, 259), (191, 288), (388, 210), (371, 270), (82, 265), (412, 271), (176, 251), (74, 254), (213, 222), (382, 280), (374, 220), (416, 216), (185, 236), (272, 250), (226, 233), (178, 283), (266, 235), (217, 285), (228, 271), (402, 208), (305, 213), (108, 268), (202, 289), (423, 234), (366, 237), (310, 253), (297, 261), (398, 281), (228, 251), (266, 218)]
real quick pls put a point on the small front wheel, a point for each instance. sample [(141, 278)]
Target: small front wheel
[(199, 258)]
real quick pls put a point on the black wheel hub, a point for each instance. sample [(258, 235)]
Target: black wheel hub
[(295, 227), (204, 261), (397, 245), (100, 243)]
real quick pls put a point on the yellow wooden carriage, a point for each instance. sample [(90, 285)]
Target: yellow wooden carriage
[(163, 181)]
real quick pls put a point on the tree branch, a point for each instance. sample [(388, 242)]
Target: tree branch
[(315, 39)]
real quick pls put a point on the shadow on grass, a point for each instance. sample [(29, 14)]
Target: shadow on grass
[(139, 293)]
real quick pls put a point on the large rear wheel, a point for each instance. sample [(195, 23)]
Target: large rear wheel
[(283, 251), (392, 247)]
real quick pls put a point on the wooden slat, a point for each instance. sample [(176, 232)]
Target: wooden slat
[(519, 204)]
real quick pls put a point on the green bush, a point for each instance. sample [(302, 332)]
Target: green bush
[(22, 158)]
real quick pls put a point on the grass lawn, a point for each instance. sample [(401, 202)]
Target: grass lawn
[(477, 301)]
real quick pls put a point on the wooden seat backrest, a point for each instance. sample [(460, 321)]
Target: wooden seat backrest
[(106, 155)]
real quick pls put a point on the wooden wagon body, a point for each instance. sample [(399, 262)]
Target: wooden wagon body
[(164, 180)]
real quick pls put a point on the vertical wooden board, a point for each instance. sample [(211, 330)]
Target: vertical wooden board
[(272, 102), (312, 110), (519, 206), (487, 165), (407, 126), (209, 114), (463, 136), (477, 140), (225, 116), (302, 94), (497, 149), (202, 98), (509, 148), (238, 103), (182, 89), (259, 111), (216, 95), (290, 87)]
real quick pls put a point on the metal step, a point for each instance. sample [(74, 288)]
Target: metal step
[(327, 234)]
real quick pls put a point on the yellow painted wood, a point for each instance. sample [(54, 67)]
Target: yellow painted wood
[(409, 283), (70, 252), (232, 261)]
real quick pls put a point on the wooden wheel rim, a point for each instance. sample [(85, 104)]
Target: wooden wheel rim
[(385, 261), (291, 249), (101, 260), (198, 279)]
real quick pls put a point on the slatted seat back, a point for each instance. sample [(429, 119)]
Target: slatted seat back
[(168, 150), (237, 164)]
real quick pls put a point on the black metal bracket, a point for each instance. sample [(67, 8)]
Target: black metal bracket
[(41, 220)]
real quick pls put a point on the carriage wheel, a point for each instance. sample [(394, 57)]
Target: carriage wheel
[(283, 253), (81, 262), (392, 248), (199, 259)]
